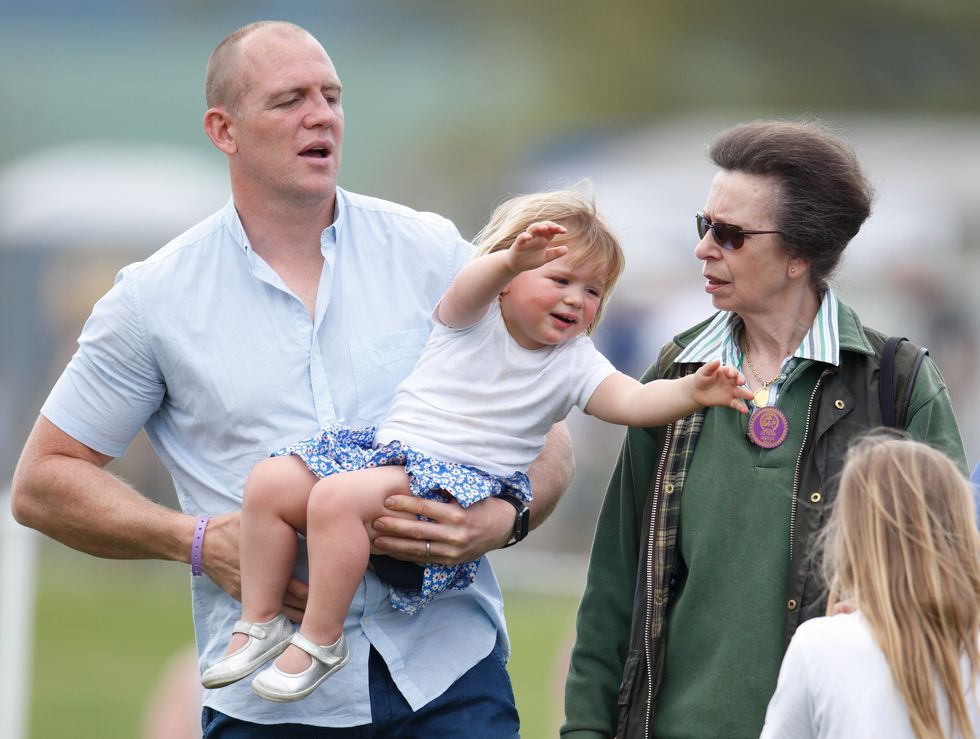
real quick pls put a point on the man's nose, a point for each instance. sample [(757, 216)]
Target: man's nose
[(322, 113)]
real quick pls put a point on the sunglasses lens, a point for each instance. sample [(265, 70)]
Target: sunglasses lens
[(728, 237), (702, 225)]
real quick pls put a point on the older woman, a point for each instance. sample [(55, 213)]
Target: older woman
[(701, 568)]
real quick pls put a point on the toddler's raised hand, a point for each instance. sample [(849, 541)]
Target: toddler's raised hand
[(718, 384), (532, 248)]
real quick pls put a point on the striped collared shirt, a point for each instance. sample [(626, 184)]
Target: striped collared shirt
[(721, 339)]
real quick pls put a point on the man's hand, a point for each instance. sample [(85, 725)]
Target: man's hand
[(455, 534), (220, 562), (219, 553)]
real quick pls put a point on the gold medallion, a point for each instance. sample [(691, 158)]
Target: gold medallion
[(761, 396)]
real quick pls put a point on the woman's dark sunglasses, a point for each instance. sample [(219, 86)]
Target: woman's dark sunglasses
[(725, 235)]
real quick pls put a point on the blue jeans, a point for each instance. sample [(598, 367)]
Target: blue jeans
[(479, 705)]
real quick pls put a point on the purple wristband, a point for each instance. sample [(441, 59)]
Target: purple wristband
[(202, 524)]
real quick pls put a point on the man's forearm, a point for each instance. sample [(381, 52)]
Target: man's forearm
[(61, 489), (551, 473)]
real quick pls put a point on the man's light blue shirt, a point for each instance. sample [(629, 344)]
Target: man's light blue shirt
[(207, 348)]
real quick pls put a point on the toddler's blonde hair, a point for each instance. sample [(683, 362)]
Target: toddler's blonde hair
[(588, 236)]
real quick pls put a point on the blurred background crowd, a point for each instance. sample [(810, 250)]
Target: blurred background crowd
[(451, 107)]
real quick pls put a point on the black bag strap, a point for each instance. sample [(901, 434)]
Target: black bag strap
[(893, 413), (886, 380)]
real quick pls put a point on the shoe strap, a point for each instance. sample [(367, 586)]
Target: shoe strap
[(328, 654), (257, 631)]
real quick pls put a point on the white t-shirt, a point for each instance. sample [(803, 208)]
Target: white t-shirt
[(835, 683), (477, 397)]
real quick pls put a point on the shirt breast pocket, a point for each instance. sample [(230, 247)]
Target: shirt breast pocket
[(380, 363)]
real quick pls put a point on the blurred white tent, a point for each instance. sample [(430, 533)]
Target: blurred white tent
[(107, 195), (69, 217)]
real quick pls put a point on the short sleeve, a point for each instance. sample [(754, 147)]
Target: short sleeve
[(112, 385), (590, 368)]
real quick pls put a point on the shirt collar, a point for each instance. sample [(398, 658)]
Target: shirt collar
[(331, 233), (336, 228), (720, 338), (233, 223)]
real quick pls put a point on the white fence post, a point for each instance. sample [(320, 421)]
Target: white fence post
[(18, 566)]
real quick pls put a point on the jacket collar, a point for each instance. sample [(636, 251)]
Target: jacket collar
[(718, 337)]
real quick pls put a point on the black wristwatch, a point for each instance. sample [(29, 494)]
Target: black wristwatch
[(522, 522)]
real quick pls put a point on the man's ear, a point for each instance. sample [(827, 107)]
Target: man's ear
[(218, 125)]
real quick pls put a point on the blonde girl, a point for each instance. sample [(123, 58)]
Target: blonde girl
[(509, 356), (902, 562)]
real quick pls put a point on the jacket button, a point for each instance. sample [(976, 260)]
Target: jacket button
[(791, 604), (815, 496), (669, 488), (839, 405)]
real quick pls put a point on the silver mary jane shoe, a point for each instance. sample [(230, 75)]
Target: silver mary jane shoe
[(265, 641), (275, 685)]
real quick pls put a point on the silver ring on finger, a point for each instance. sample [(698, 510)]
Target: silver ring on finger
[(428, 549)]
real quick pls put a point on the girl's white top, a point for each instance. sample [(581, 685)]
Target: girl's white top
[(477, 397), (835, 683)]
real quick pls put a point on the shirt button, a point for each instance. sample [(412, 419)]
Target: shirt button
[(791, 604), (839, 405), (669, 488), (658, 598), (815, 496)]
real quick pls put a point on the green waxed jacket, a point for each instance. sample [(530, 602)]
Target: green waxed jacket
[(614, 674)]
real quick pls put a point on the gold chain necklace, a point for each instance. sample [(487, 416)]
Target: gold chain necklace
[(761, 397)]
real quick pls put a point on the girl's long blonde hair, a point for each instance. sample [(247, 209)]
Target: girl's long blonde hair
[(588, 235), (902, 546)]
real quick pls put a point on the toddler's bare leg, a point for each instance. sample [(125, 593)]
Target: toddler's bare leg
[(339, 515), (274, 509)]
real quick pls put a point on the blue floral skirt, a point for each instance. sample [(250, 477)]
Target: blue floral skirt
[(341, 449)]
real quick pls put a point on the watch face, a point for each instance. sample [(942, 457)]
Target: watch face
[(523, 519), (521, 524)]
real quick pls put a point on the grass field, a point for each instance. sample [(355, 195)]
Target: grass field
[(105, 631)]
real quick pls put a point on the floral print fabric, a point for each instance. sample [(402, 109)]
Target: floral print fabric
[(342, 449)]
